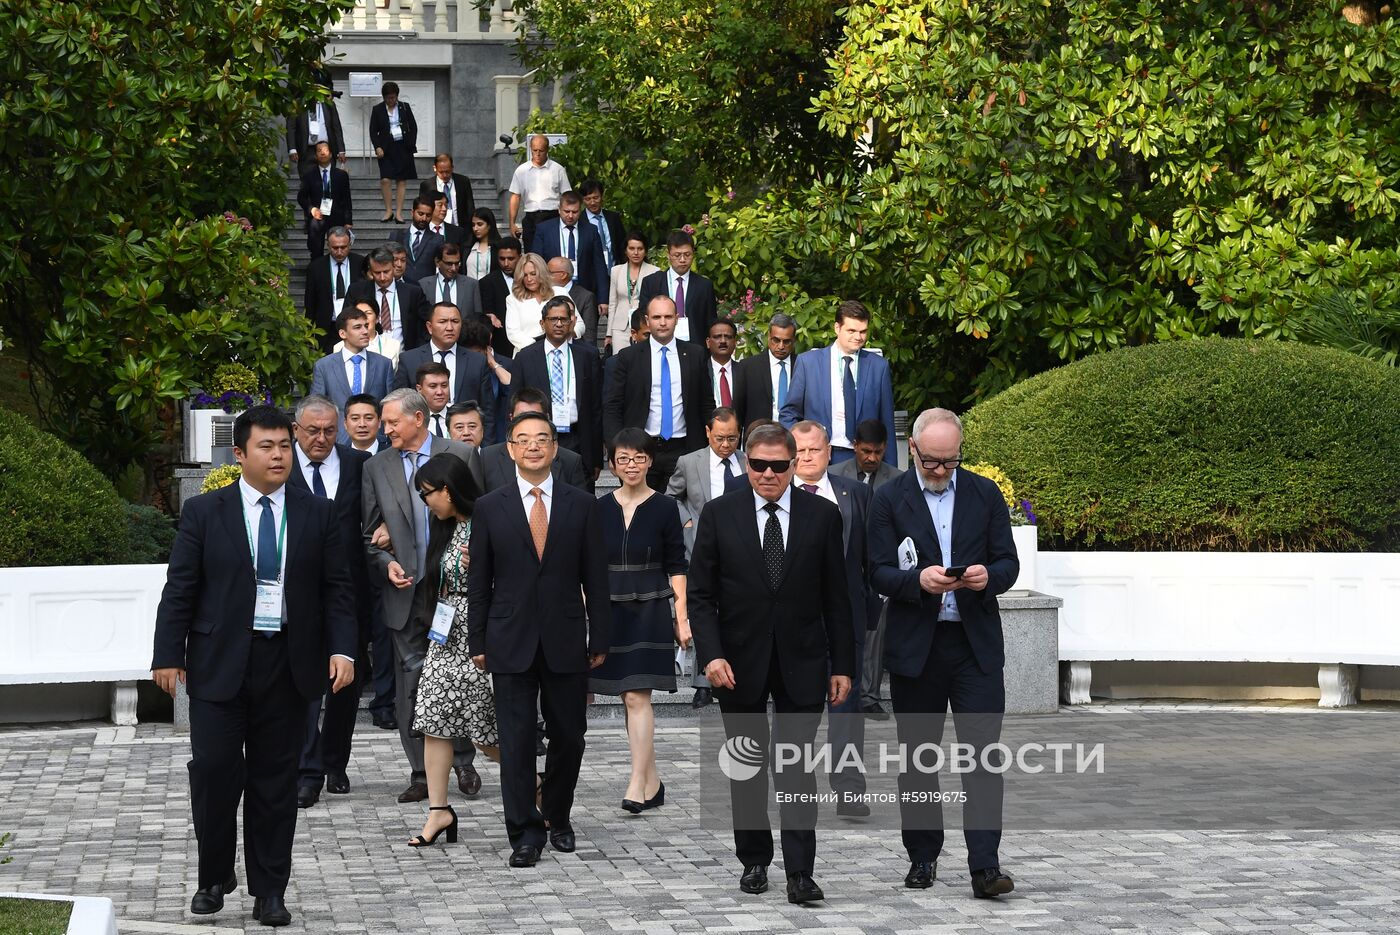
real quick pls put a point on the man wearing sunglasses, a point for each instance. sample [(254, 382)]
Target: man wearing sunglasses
[(941, 548), (770, 610)]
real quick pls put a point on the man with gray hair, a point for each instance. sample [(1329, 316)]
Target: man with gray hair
[(943, 635), (561, 274), (328, 282), (391, 500), (761, 382), (335, 472)]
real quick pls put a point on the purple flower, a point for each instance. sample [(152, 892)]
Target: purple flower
[(1030, 514), (688, 228), (729, 195)]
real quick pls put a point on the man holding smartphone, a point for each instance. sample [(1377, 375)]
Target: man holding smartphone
[(941, 548)]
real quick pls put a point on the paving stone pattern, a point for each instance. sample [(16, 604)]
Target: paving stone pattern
[(100, 810)]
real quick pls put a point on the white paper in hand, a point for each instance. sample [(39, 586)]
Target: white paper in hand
[(908, 555)]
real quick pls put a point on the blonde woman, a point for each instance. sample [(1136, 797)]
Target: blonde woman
[(525, 304), (625, 289)]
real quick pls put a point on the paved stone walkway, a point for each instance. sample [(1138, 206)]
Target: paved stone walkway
[(104, 811)]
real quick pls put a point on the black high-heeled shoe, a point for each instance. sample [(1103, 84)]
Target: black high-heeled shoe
[(450, 828), (658, 799), (633, 806)]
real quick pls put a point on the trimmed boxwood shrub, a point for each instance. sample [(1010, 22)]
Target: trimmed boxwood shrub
[(55, 507), (150, 534), (1213, 444)]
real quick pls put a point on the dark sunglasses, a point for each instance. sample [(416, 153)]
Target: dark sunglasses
[(761, 465), (425, 492)]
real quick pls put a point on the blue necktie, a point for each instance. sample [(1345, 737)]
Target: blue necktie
[(325, 183), (601, 224), (556, 386), (848, 391), (666, 428), (268, 565), (357, 384), (782, 384), (318, 486)]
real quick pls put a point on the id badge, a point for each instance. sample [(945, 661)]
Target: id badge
[(313, 129), (683, 329), (442, 622), (396, 132), (267, 609), (326, 205)]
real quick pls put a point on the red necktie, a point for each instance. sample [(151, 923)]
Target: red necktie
[(725, 399)]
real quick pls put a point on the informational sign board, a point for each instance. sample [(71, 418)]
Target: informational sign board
[(366, 83)]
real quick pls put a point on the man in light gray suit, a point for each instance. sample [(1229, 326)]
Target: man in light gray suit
[(353, 369), (397, 554), (448, 285), (700, 477), (870, 468)]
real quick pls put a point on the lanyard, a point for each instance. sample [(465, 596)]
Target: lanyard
[(456, 572), (476, 259), (281, 538)]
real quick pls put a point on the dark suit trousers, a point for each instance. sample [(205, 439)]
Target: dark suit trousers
[(247, 747), (794, 723), (664, 457), (846, 728), (326, 746), (530, 221), (316, 235), (951, 677), (410, 650), (563, 698), (381, 650)]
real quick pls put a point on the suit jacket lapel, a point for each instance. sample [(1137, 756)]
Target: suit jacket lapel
[(964, 502), (557, 514), (296, 525), (231, 512), (843, 501), (522, 520), (917, 506), (797, 529)]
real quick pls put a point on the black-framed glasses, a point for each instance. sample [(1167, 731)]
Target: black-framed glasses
[(425, 492), (531, 441), (628, 460), (763, 465), (931, 464)]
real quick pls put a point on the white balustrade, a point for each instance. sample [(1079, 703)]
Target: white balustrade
[(434, 19)]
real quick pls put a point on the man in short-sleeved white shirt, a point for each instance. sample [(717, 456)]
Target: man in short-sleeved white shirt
[(535, 189)]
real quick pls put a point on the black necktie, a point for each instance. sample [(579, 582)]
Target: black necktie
[(728, 473), (318, 486), (573, 251), (848, 391), (437, 425), (269, 563), (340, 280), (325, 183), (773, 546)]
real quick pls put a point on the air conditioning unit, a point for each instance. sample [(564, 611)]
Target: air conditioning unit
[(206, 430)]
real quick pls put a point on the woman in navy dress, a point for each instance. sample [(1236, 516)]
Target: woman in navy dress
[(394, 134), (646, 571)]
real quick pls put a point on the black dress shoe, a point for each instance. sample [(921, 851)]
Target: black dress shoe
[(990, 883), (211, 898), (526, 855), (416, 792), (658, 799), (307, 796), (754, 880), (468, 780), (703, 696), (803, 889), (921, 874), (874, 711), (337, 783), (562, 839), (633, 806), (385, 721), (271, 910), (852, 809)]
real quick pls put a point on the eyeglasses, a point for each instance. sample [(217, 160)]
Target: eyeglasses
[(425, 492), (628, 460), (317, 433), (532, 441), (931, 464), (725, 439), (762, 466), (556, 320)]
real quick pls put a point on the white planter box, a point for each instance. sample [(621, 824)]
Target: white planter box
[(92, 915), (1027, 552)]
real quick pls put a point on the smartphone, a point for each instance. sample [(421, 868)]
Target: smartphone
[(956, 571)]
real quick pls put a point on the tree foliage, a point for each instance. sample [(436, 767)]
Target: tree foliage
[(135, 135)]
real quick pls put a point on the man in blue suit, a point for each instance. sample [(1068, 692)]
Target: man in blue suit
[(354, 370), (578, 240), (843, 385), (941, 548)]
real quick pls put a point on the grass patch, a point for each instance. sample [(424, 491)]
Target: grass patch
[(34, 916)]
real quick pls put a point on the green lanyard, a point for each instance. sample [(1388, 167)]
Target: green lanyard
[(281, 538), (456, 571)]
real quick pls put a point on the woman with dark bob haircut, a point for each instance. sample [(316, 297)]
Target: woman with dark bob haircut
[(454, 696)]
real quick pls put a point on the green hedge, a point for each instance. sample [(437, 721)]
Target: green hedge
[(55, 507), (1213, 444), (149, 535)]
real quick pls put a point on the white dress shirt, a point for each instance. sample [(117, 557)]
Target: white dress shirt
[(252, 516), (539, 187), (345, 355), (477, 263), (344, 267), (653, 425), (715, 368), (523, 319), (380, 344), (565, 411), (451, 190), (775, 369), (528, 499), (717, 471), (330, 471), (451, 362), (394, 327), (940, 510), (372, 450), (784, 513), (838, 395)]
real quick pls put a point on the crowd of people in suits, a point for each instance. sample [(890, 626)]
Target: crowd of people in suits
[(441, 543)]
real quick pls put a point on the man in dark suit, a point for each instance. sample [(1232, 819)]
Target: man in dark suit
[(439, 224), (944, 635), (324, 197), (771, 614), (661, 385), (354, 369), (495, 287), (332, 471), (842, 385), (567, 467), (846, 727), (571, 373), (402, 307), (693, 294), (539, 618), (561, 274), (420, 242), (397, 554), (471, 376), (607, 222), (457, 188), (318, 123), (448, 285), (870, 468), (762, 381), (328, 282), (569, 236), (256, 611)]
